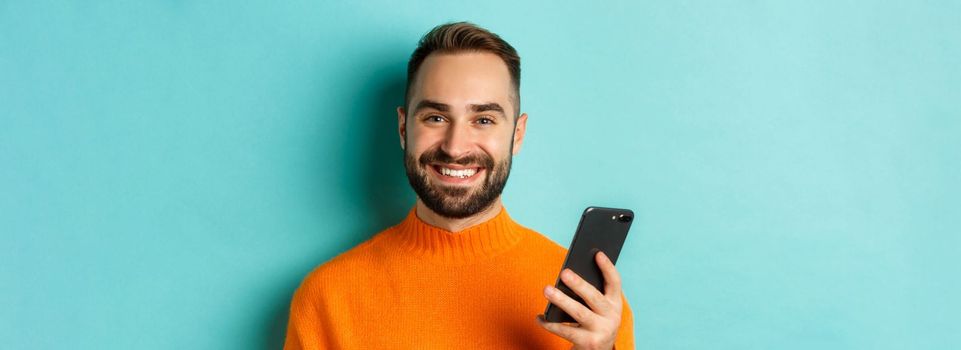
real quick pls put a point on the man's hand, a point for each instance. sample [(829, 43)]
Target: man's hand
[(596, 327)]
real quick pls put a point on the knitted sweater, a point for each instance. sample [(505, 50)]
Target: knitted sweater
[(416, 286)]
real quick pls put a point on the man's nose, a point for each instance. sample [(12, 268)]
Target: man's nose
[(457, 141)]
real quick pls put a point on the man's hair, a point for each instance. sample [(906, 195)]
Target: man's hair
[(465, 37)]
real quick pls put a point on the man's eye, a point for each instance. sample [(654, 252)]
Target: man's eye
[(485, 121), (434, 118)]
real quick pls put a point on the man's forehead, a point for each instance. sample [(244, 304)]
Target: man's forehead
[(463, 79), (480, 61)]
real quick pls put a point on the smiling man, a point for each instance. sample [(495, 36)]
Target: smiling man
[(457, 272)]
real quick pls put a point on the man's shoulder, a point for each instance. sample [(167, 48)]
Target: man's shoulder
[(543, 243), (360, 259)]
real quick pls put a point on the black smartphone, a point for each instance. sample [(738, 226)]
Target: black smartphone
[(600, 230)]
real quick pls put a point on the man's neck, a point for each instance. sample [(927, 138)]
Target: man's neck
[(457, 225)]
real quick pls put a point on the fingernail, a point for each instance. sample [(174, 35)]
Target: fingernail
[(549, 290)]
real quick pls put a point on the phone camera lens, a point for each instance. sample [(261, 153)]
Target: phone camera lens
[(625, 218)]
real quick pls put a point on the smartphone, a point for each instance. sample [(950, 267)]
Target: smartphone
[(600, 230)]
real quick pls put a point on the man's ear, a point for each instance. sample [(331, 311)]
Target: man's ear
[(520, 128), (402, 126)]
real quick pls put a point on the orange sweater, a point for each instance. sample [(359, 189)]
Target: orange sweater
[(416, 286)]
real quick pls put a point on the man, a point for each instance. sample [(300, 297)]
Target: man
[(458, 272)]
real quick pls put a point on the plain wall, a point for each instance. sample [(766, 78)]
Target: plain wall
[(170, 170)]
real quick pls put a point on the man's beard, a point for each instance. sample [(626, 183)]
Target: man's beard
[(456, 202)]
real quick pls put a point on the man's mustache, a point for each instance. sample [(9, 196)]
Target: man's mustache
[(439, 156)]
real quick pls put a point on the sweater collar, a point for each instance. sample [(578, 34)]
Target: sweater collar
[(485, 239)]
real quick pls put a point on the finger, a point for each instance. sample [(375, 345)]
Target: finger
[(578, 311), (597, 301), (570, 333), (612, 279)]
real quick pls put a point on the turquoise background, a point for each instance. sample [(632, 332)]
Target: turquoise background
[(172, 169)]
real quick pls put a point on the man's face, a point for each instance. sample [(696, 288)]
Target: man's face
[(459, 134)]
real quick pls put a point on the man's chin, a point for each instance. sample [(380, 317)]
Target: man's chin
[(454, 190), (453, 205), (455, 210)]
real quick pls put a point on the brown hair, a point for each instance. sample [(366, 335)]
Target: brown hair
[(460, 37)]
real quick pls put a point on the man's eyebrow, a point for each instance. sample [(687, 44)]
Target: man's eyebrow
[(492, 106), (431, 104)]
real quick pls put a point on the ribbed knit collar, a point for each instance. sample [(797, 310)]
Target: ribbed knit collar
[(482, 240)]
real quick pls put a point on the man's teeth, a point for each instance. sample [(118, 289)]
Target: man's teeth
[(458, 173)]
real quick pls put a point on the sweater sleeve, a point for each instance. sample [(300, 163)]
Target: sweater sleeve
[(625, 334), (305, 329)]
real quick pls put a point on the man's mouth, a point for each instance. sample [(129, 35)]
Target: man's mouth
[(456, 173)]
